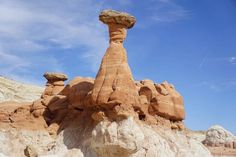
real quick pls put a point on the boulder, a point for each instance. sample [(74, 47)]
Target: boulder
[(78, 91), (217, 136), (114, 139), (30, 151), (168, 103)]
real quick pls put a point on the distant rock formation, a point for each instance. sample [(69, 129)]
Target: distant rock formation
[(217, 136), (11, 90)]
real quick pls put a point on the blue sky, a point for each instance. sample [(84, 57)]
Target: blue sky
[(191, 44)]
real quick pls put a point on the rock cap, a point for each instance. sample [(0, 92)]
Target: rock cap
[(54, 76), (122, 18)]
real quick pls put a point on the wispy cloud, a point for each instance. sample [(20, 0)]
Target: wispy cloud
[(203, 61), (228, 60), (218, 86), (31, 31), (168, 11)]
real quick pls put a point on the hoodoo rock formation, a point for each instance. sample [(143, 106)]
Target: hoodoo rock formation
[(113, 95), (109, 116), (114, 84)]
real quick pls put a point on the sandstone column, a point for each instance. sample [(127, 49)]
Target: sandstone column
[(114, 83), (55, 83)]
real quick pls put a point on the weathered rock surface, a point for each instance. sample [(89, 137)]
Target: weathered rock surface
[(141, 140), (167, 103), (161, 99), (217, 136), (30, 151), (11, 90), (114, 83), (115, 17), (113, 139), (52, 76), (78, 91)]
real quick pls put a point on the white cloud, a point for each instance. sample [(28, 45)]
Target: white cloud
[(34, 28), (218, 86)]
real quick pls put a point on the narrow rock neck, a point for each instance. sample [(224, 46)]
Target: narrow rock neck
[(117, 33)]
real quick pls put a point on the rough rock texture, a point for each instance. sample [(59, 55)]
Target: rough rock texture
[(217, 136), (11, 90), (114, 84), (30, 151), (117, 139), (150, 142), (52, 76), (167, 102), (78, 91), (122, 138), (161, 99), (112, 16)]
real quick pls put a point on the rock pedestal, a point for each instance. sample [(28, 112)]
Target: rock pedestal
[(114, 83), (51, 99), (55, 83)]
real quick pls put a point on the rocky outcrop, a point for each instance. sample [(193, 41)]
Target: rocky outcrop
[(53, 105), (107, 117), (78, 91), (122, 138), (114, 84), (217, 136), (161, 99), (11, 90), (164, 100), (126, 138), (55, 83)]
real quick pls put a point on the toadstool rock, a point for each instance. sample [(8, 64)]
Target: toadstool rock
[(114, 83)]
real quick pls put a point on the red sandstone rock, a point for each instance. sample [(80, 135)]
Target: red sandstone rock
[(163, 100), (78, 91), (114, 83), (168, 103)]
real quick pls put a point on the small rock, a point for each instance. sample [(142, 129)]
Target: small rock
[(30, 151), (98, 116), (174, 127)]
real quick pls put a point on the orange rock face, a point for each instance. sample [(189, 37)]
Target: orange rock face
[(164, 100), (79, 91), (114, 83)]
